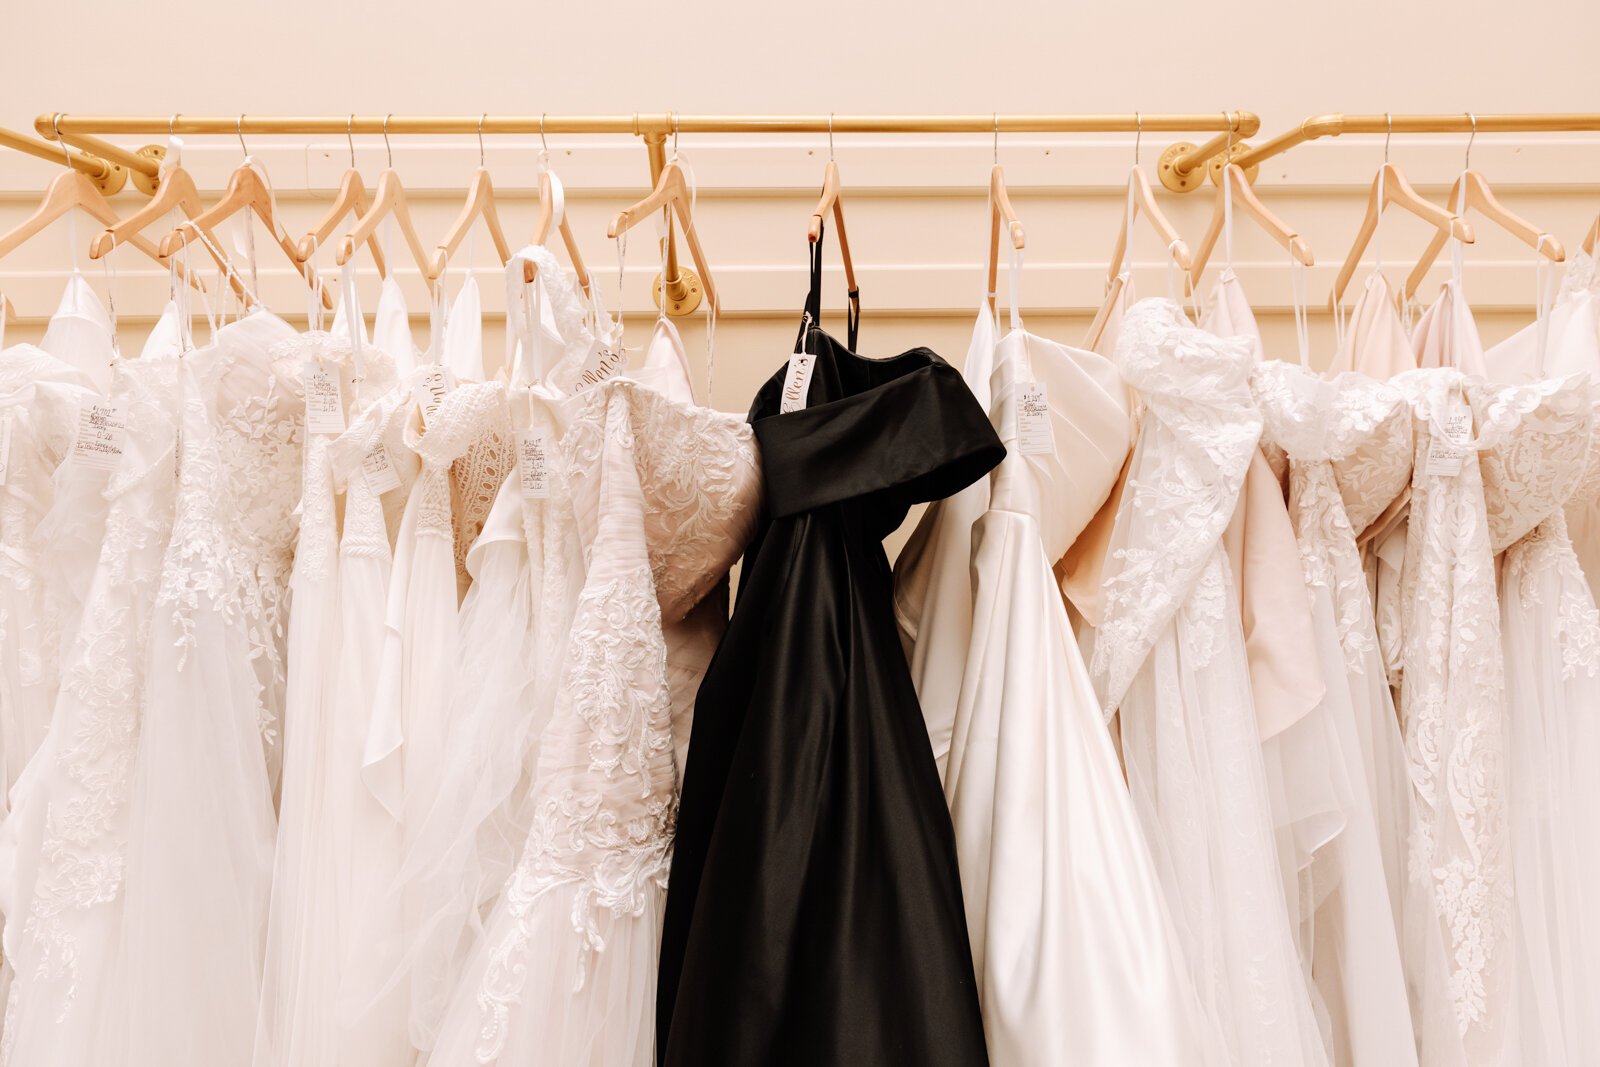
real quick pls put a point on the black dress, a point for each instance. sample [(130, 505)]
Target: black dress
[(814, 912)]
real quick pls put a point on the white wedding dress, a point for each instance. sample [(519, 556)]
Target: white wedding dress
[(1075, 951), (1170, 657)]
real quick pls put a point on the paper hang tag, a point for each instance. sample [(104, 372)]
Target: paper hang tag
[(101, 435), (1033, 421), (1449, 450), (435, 384), (533, 465), (378, 468), (603, 363), (797, 382), (324, 402), (5, 450)]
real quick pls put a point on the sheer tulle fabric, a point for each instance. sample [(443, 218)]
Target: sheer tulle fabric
[(1170, 657)]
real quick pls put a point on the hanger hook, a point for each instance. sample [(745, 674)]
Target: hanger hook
[(997, 138), (674, 134), (1388, 132), (543, 144), (481, 119), (55, 126), (349, 137), (1138, 134), (1467, 165), (172, 125), (830, 137), (238, 128), (387, 147)]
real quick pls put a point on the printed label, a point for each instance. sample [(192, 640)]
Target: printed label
[(1449, 450), (379, 470), (603, 363), (797, 382), (101, 433), (533, 465), (1033, 421), (324, 402), (435, 385)]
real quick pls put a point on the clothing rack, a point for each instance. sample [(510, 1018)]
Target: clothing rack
[(108, 176)]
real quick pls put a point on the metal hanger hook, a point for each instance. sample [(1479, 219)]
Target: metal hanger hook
[(1138, 134), (1388, 126), (349, 137), (387, 147), (238, 128), (55, 127), (481, 119), (1232, 121), (1473, 136), (543, 144), (997, 138), (172, 126), (830, 137), (674, 133)]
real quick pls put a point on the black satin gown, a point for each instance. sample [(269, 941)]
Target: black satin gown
[(814, 913)]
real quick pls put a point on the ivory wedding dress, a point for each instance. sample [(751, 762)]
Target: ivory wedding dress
[(1075, 951), (1170, 657)]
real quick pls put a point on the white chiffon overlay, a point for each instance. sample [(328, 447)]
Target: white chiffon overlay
[(1170, 657)]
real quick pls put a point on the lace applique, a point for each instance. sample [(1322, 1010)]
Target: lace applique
[(1582, 274), (1535, 448), (1199, 431), (467, 414), (1453, 698), (476, 478), (1577, 622)]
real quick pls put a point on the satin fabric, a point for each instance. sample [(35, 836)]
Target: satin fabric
[(815, 914)]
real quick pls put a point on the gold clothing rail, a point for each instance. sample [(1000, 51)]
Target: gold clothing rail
[(107, 175)]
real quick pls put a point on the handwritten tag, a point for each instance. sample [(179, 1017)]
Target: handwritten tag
[(101, 434), (603, 363), (5, 449), (797, 382), (1449, 450), (1033, 421), (435, 384), (379, 470), (324, 402), (533, 465)]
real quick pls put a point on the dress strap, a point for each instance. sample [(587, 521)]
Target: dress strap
[(813, 308)]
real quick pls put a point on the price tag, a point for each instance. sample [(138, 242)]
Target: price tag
[(533, 465), (379, 470), (603, 363), (101, 434), (1033, 421), (435, 384), (797, 382), (5, 449), (324, 402), (1450, 449)]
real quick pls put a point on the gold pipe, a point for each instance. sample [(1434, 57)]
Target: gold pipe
[(148, 166), (641, 124), (673, 287), (1335, 124), (1244, 125), (95, 168)]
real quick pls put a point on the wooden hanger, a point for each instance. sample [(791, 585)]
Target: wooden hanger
[(1245, 199), (1000, 208), (350, 199), (177, 192), (1391, 187), (541, 234), (480, 204), (1143, 201), (246, 191), (1471, 191), (831, 202), (672, 189), (68, 191), (1593, 237)]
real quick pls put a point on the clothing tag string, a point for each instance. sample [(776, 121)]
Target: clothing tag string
[(353, 323), (1302, 317), (1544, 297)]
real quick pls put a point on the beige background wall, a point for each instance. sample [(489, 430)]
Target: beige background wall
[(915, 205)]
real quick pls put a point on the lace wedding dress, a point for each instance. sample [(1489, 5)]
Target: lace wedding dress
[(1170, 657)]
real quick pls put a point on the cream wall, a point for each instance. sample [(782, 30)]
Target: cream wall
[(915, 205)]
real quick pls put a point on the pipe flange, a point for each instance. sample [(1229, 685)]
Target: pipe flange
[(691, 289), (149, 183), (1168, 171), (1239, 149)]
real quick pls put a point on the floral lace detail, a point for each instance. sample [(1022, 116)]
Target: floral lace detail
[(467, 414), (1577, 622), (1535, 447), (1349, 445), (1199, 431), (1453, 701), (1583, 273), (81, 861), (476, 479)]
